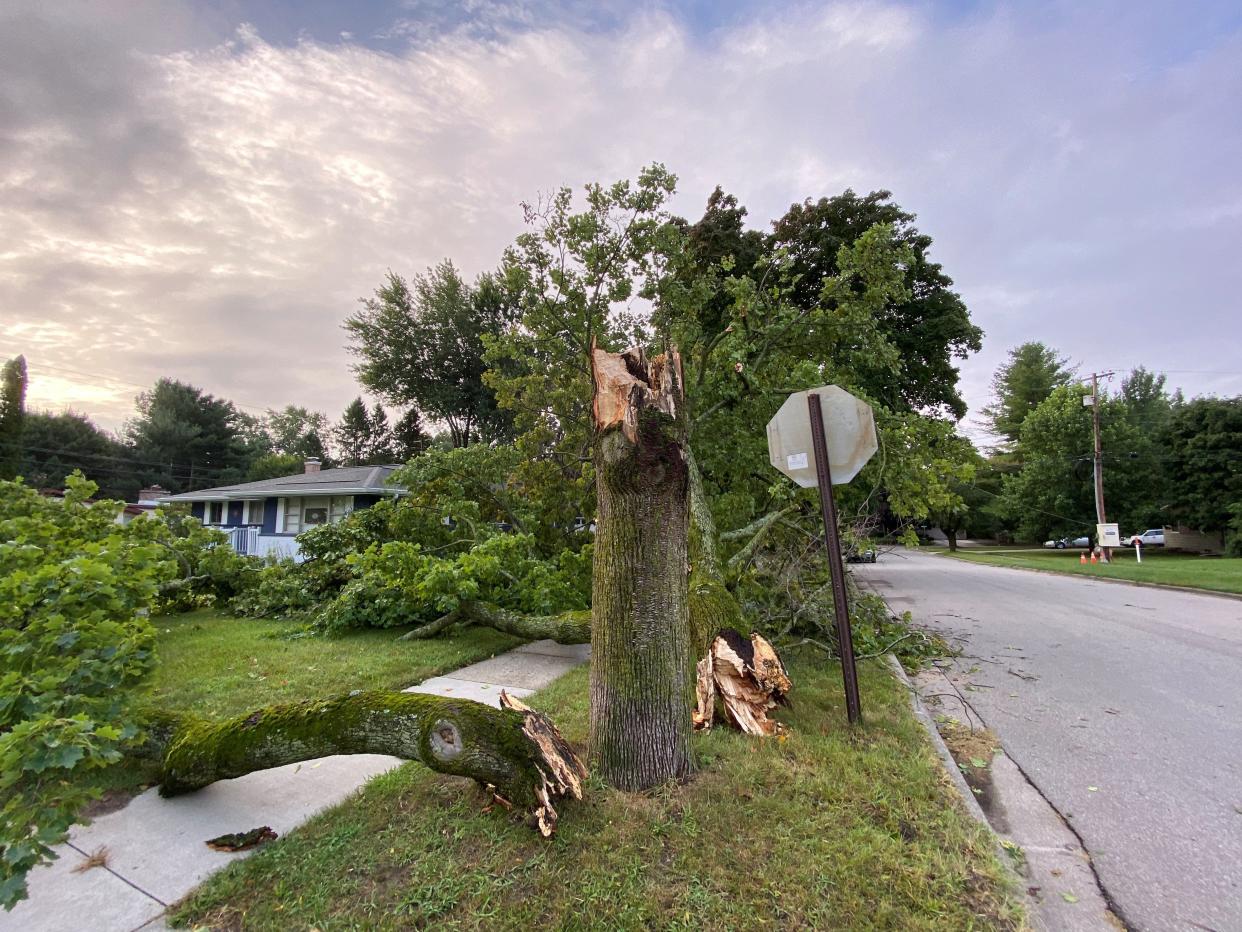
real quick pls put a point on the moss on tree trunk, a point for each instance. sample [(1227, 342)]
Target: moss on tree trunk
[(514, 749), (642, 686)]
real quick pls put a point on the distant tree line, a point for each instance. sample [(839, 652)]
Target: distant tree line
[(182, 438), (1168, 460)]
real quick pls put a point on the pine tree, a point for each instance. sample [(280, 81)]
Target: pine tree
[(353, 433), (408, 438), (380, 446)]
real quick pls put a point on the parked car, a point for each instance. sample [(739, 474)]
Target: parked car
[(1063, 542), (1151, 538), (859, 555)]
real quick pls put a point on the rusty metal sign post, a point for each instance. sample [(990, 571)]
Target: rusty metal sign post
[(832, 542), (833, 414)]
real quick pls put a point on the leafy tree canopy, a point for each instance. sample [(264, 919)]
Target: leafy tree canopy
[(204, 440), (58, 444), (925, 321), (297, 431), (421, 343), (1203, 439), (1020, 385), (74, 639)]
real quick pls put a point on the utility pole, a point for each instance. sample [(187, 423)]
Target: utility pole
[(1106, 553)]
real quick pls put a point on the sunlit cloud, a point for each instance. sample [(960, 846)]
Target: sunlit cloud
[(214, 212)]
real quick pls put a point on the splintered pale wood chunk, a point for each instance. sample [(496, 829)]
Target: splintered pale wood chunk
[(561, 771), (750, 679)]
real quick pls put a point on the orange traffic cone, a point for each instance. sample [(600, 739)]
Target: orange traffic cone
[(1093, 559), (1082, 558)]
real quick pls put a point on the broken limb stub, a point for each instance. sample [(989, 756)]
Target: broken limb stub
[(514, 749), (749, 678)]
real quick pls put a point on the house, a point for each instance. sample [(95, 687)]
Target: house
[(148, 501), (265, 517)]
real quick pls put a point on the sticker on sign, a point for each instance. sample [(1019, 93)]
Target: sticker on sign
[(796, 461)]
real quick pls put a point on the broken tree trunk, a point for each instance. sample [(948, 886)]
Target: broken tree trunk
[(514, 749), (750, 679), (641, 659)]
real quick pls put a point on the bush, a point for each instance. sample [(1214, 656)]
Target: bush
[(76, 589), (398, 584)]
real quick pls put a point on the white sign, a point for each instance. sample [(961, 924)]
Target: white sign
[(849, 431), (1108, 535)]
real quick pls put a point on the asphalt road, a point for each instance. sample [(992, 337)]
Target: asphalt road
[(1135, 692)]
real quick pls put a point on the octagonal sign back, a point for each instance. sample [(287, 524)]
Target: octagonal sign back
[(849, 430)]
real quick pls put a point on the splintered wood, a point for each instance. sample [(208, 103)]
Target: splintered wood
[(750, 679), (626, 383), (562, 772)]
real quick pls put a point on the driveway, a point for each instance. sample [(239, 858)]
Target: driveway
[(1122, 704)]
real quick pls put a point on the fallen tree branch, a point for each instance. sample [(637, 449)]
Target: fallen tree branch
[(565, 628), (514, 749)]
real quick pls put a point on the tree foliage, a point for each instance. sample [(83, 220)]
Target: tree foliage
[(13, 381), (202, 439), (75, 592), (421, 343), (1019, 386), (1203, 440), (1053, 492), (925, 321), (58, 444), (297, 431)]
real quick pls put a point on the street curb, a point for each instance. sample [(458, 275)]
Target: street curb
[(1235, 596), (969, 803), (942, 750)]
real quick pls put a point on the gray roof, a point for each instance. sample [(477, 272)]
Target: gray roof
[(349, 480)]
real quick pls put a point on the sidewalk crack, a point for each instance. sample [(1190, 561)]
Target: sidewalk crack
[(121, 878)]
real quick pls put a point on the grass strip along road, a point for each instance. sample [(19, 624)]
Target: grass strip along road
[(1218, 574)]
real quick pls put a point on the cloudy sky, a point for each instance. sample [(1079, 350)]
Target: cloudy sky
[(204, 190)]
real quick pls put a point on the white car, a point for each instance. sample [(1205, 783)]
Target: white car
[(1152, 538)]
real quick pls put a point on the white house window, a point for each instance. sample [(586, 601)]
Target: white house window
[(303, 513), (254, 512), (213, 513)]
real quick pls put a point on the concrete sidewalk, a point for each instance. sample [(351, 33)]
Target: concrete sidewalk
[(156, 851)]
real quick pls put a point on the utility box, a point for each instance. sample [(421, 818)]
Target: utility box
[(1108, 535)]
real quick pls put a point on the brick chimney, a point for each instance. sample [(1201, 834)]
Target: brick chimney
[(312, 464), (151, 494)]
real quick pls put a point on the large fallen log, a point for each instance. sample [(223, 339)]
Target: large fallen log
[(515, 750), (750, 679)]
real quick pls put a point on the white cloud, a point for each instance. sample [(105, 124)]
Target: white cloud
[(214, 213)]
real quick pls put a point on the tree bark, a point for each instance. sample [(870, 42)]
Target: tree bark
[(642, 685), (565, 628), (514, 749)]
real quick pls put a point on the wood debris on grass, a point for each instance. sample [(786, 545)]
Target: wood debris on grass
[(242, 841), (750, 679)]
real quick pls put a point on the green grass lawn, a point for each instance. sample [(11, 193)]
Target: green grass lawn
[(828, 829), (218, 666), (1173, 569)]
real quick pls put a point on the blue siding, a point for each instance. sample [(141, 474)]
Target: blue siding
[(269, 516), (365, 501), (233, 514), (196, 509)]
